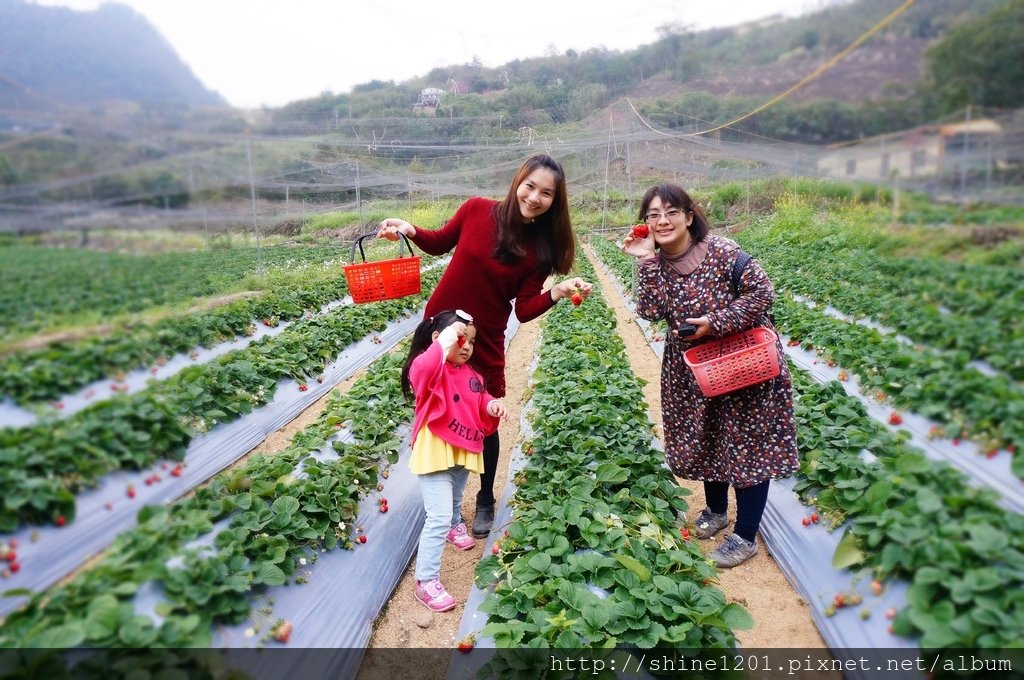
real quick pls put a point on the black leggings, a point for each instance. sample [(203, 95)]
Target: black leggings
[(750, 503), (492, 447)]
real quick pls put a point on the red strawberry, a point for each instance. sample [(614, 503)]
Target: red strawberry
[(640, 231), (895, 418), (806, 521), (60, 521), (11, 556), (877, 587), (956, 441), (466, 644), (282, 631), (684, 534), (362, 539), (576, 299), (992, 453), (130, 491), (15, 567), (839, 600), (303, 387), (177, 471), (815, 518)]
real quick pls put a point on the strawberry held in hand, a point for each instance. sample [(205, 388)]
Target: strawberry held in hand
[(640, 231)]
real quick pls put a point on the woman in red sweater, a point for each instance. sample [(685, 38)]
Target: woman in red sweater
[(505, 252)]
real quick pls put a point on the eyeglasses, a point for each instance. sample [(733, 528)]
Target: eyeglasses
[(672, 214)]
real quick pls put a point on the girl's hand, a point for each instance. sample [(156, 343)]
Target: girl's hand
[(449, 337), (497, 409), (638, 247), (393, 226), (703, 325), (567, 287)]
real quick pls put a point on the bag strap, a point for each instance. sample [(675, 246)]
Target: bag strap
[(737, 271)]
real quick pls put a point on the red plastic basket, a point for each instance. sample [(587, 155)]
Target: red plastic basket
[(385, 279), (735, 361)]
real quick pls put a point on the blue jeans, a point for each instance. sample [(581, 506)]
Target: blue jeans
[(442, 500)]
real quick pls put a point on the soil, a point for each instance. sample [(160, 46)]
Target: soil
[(782, 618)]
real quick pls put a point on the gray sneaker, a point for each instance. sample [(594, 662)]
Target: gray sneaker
[(735, 550), (709, 523)]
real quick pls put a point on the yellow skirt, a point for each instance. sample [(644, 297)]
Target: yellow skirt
[(430, 453)]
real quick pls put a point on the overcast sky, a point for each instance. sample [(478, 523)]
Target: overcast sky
[(270, 52)]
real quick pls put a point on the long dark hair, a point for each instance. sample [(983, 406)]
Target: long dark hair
[(421, 339), (551, 232), (673, 195)]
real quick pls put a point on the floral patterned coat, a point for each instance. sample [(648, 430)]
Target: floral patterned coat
[(743, 437)]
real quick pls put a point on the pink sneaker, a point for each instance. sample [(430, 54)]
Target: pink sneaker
[(460, 538), (433, 596)]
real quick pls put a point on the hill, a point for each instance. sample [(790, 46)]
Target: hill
[(54, 56)]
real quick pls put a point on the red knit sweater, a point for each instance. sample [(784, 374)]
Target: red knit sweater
[(479, 284)]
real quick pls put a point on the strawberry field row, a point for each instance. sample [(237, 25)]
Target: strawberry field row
[(969, 403), (909, 518), (43, 286), (46, 464), (281, 510), (594, 556), (890, 300), (52, 372)]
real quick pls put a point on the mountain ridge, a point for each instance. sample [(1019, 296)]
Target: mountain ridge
[(56, 56)]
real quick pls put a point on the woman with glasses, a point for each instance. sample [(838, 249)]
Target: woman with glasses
[(504, 252), (743, 438)]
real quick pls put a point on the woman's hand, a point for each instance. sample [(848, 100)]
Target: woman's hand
[(638, 247), (703, 325), (497, 409), (569, 286), (393, 226)]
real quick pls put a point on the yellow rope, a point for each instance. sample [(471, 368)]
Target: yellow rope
[(803, 81)]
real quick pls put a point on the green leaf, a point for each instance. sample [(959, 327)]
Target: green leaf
[(102, 617), (610, 473), (269, 574), (737, 617), (540, 562), (69, 635), (642, 572), (285, 505), (139, 632), (596, 614), (847, 553)]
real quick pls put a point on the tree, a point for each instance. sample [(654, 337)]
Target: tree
[(982, 61)]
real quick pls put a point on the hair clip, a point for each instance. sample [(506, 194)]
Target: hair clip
[(464, 316)]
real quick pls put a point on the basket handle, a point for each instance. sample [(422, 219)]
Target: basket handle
[(359, 242)]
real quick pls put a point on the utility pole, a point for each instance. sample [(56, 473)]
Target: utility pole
[(963, 157), (255, 222), (359, 200)]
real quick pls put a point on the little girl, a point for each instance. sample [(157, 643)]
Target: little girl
[(454, 413)]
